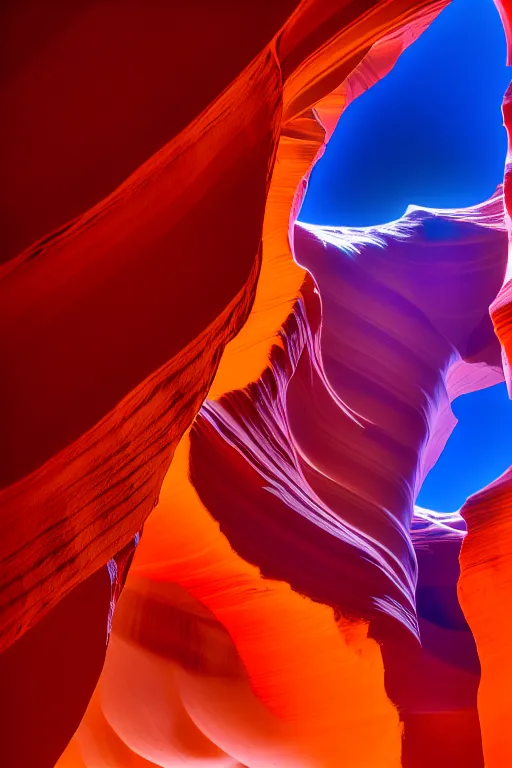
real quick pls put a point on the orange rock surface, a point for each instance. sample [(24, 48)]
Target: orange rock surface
[(485, 585), (485, 588)]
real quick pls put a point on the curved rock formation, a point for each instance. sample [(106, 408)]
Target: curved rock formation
[(285, 577), (375, 351), (311, 473), (290, 686)]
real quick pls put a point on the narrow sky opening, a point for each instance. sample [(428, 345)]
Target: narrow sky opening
[(429, 133), (477, 452)]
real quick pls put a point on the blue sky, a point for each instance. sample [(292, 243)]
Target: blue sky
[(430, 133)]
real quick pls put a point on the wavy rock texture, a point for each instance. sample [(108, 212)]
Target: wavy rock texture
[(135, 294), (311, 473), (372, 359), (339, 433), (266, 675)]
